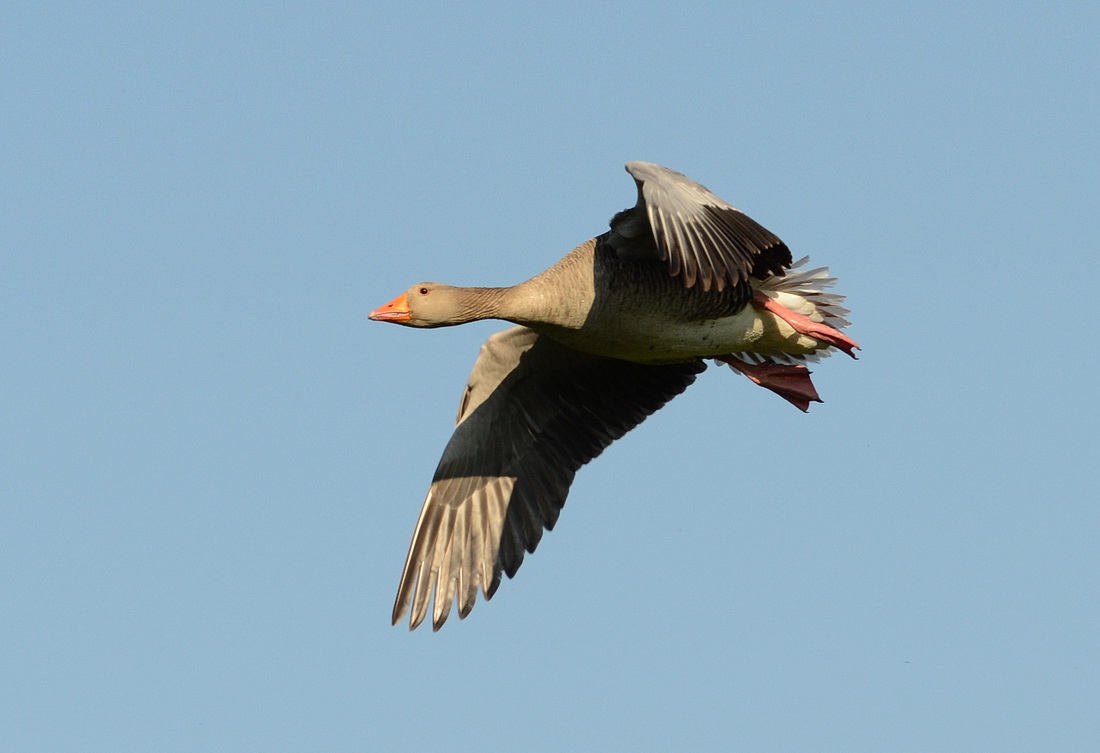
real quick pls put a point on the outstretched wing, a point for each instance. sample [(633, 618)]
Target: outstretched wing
[(533, 413), (701, 237)]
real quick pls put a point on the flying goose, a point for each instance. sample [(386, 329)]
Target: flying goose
[(605, 337)]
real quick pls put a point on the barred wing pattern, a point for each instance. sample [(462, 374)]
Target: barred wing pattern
[(532, 413), (703, 239)]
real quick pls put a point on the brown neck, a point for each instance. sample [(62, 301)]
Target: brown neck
[(559, 297), (481, 303)]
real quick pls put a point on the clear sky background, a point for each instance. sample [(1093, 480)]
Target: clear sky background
[(211, 461)]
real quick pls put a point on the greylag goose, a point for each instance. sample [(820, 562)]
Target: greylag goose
[(605, 337)]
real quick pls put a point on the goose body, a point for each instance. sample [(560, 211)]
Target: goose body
[(606, 336), (637, 312)]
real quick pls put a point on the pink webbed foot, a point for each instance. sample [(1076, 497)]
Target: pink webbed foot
[(791, 382), (805, 325)]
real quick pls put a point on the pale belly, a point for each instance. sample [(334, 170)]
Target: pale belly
[(656, 340)]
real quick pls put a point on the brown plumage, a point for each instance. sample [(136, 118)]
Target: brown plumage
[(607, 335)]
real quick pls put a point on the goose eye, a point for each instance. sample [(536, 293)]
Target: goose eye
[(423, 291)]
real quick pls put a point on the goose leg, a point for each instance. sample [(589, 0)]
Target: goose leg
[(805, 325), (791, 382)]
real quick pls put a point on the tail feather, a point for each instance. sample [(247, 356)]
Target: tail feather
[(810, 285)]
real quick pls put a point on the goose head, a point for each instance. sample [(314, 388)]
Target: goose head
[(433, 304)]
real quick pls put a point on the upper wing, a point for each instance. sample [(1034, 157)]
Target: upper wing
[(533, 413), (703, 238)]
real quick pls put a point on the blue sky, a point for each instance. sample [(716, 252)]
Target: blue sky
[(211, 461)]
